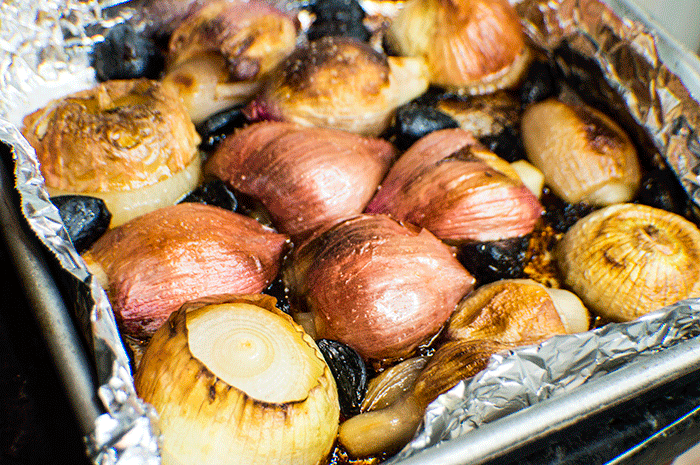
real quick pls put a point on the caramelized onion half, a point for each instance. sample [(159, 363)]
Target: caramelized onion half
[(627, 260), (120, 141), (153, 264), (236, 381), (451, 185), (305, 177), (471, 46), (378, 285), (340, 83)]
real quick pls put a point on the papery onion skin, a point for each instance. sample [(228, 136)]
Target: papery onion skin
[(206, 420), (378, 285), (627, 260), (153, 264), (471, 46), (584, 155), (449, 184), (305, 177), (340, 83)]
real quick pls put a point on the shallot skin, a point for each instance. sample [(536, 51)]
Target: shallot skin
[(377, 285), (153, 264), (451, 185), (305, 177)]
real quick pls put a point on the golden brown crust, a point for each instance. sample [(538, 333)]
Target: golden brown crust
[(118, 136)]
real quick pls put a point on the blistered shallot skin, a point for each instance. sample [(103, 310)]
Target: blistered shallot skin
[(305, 177), (340, 83), (153, 264), (377, 285), (451, 185)]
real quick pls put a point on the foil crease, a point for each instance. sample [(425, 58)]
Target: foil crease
[(44, 44)]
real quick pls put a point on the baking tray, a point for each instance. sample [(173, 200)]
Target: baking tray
[(64, 327)]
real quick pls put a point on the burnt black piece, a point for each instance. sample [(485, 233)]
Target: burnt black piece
[(218, 126), (415, 121), (279, 291), (661, 189), (126, 54), (214, 193), (495, 260), (86, 218), (561, 215), (338, 18), (350, 374), (539, 83), (507, 144)]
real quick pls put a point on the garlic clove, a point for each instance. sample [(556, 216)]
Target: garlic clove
[(627, 260), (129, 142), (305, 177), (532, 177), (584, 155), (153, 264), (340, 83), (386, 388), (512, 311), (377, 285), (235, 381), (471, 46), (449, 184)]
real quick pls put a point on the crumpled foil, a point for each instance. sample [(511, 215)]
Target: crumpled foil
[(44, 53)]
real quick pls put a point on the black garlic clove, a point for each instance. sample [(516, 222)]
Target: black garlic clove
[(507, 144), (661, 189), (215, 129), (415, 121), (338, 18), (495, 260), (561, 215), (280, 292), (214, 193), (538, 84), (350, 374), (85, 218), (126, 54)]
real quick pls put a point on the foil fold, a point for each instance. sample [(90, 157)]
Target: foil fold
[(44, 45)]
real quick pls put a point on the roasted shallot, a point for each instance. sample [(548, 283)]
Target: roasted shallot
[(153, 264), (451, 185), (377, 285), (585, 156), (305, 177), (340, 83), (236, 381), (219, 55), (471, 46)]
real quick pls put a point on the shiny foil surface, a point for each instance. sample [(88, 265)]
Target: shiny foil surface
[(645, 80)]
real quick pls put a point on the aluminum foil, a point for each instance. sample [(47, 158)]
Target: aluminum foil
[(44, 53)]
